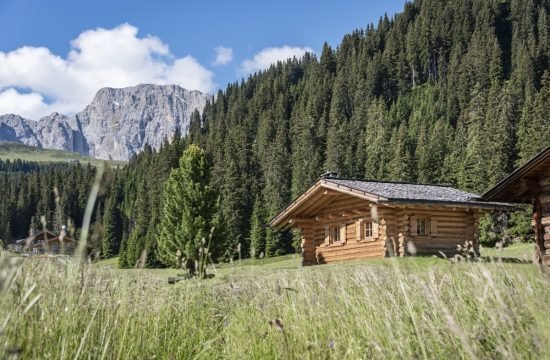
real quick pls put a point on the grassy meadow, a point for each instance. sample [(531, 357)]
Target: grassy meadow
[(13, 151), (432, 308)]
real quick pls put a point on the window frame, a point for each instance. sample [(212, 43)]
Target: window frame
[(364, 225), (422, 222), (421, 226), (334, 234), (368, 228)]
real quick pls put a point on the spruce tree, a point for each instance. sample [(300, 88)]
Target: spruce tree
[(189, 211), (112, 228), (257, 229), (534, 128)]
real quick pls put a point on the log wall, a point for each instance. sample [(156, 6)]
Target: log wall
[(447, 229), (541, 219)]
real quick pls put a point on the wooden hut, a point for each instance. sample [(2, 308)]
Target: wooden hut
[(342, 219), (48, 242), (530, 184)]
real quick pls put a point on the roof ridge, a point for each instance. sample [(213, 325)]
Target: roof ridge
[(392, 182)]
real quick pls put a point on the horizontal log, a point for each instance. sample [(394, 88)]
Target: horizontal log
[(442, 247), (457, 239), (455, 231), (447, 224), (452, 219), (545, 221), (546, 260), (353, 252), (381, 252), (438, 244), (437, 211), (352, 244), (378, 255)]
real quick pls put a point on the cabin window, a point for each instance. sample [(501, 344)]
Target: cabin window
[(334, 234), (368, 229), (421, 226)]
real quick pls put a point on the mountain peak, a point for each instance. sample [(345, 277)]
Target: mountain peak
[(115, 125)]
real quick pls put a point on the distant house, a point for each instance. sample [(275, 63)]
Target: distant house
[(343, 219), (48, 242), (530, 184)]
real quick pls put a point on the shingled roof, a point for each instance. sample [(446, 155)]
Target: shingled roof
[(397, 191), (387, 192)]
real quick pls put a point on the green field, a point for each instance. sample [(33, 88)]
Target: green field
[(273, 308), (12, 151)]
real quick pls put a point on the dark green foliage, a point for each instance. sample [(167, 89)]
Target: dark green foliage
[(257, 229), (492, 230), (188, 228), (519, 225), (56, 193), (506, 228), (112, 223)]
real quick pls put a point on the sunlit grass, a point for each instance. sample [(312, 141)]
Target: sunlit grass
[(13, 151), (391, 308)]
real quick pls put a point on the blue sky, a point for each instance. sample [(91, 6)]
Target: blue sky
[(52, 51)]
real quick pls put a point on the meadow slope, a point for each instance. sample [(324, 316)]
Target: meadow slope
[(391, 308)]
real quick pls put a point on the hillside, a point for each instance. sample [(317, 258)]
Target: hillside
[(12, 151)]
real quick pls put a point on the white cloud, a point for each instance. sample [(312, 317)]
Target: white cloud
[(263, 59), (98, 58), (27, 105), (223, 55)]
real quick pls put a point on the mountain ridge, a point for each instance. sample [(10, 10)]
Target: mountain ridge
[(115, 125)]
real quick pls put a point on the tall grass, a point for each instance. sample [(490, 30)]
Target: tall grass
[(60, 309)]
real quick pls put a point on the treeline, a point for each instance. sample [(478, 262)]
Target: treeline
[(37, 195), (449, 91)]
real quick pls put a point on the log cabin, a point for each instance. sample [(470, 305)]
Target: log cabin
[(346, 219), (530, 184), (47, 242)]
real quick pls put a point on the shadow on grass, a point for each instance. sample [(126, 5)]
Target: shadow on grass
[(507, 260)]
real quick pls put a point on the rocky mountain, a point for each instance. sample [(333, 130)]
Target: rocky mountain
[(117, 124)]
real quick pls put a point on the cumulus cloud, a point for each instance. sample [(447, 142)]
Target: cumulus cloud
[(223, 55), (27, 105), (263, 59), (98, 58)]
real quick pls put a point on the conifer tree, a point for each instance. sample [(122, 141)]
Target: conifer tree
[(534, 128), (112, 225), (190, 207), (257, 229)]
